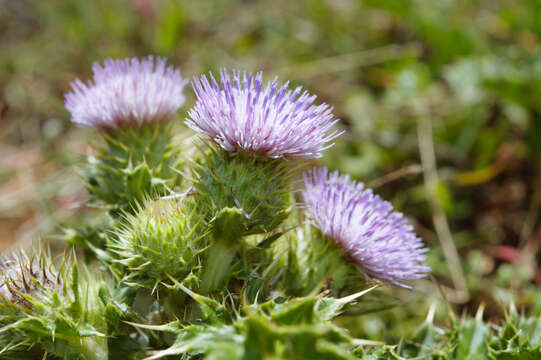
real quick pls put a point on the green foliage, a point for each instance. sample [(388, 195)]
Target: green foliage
[(122, 338), (278, 329), (93, 238), (517, 339), (133, 164), (467, 339)]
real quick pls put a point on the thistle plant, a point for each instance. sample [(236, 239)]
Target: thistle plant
[(131, 103), (243, 261), (245, 180)]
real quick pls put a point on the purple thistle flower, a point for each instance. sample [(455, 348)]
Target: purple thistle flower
[(365, 226), (128, 92), (271, 121)]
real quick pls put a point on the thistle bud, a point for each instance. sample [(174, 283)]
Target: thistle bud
[(163, 239)]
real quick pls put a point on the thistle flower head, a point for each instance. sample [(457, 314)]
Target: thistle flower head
[(365, 226), (127, 92), (271, 120)]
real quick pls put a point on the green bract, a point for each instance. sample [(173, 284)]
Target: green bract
[(315, 264), (134, 163), (241, 195), (258, 187)]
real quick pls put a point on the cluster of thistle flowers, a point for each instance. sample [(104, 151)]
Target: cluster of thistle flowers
[(216, 238)]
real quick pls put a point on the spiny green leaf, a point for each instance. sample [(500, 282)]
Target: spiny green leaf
[(213, 312)]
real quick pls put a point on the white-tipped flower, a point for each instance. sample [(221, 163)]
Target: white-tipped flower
[(366, 227), (271, 120), (127, 92)]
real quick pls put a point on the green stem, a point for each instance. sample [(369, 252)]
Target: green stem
[(228, 229), (218, 263)]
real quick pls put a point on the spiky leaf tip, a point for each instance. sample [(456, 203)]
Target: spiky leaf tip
[(294, 329)]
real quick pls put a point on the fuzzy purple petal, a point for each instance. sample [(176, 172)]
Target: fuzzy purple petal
[(274, 121), (129, 92), (379, 239)]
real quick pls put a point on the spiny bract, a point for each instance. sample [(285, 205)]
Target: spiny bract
[(260, 188), (132, 164), (316, 264), (295, 329), (44, 310)]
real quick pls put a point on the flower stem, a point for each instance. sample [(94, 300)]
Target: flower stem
[(228, 228), (219, 260)]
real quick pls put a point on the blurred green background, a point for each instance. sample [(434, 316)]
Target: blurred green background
[(440, 99)]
